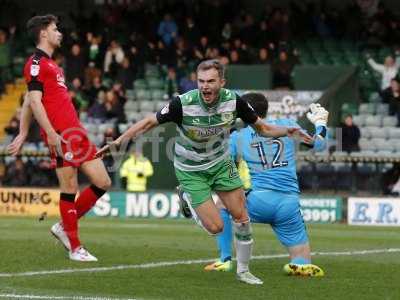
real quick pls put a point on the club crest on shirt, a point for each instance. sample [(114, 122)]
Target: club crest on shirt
[(68, 156), (35, 70), (227, 117)]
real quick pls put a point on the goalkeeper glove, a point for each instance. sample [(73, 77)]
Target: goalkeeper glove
[(318, 115)]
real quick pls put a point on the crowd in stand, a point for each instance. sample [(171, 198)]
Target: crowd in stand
[(102, 54)]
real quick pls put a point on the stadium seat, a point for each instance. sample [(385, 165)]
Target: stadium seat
[(365, 132), (143, 95), (385, 153), (30, 148), (389, 121), (91, 128), (103, 127), (371, 120), (122, 127), (83, 116), (374, 98), (146, 113), (155, 83), (349, 108), (394, 132), (397, 146), (377, 132), (385, 147), (365, 169), (131, 106), (130, 94), (367, 108), (139, 84), (382, 109), (134, 117), (381, 144), (367, 145), (359, 120), (392, 144), (152, 72), (148, 106), (341, 166), (157, 95)]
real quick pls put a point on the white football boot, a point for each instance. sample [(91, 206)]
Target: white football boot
[(248, 278), (81, 254), (57, 230)]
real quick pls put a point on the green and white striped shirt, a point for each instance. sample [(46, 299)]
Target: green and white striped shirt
[(203, 139)]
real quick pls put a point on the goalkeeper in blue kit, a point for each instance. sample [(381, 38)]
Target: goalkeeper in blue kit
[(273, 197)]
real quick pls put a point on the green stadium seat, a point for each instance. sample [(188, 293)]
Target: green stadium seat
[(157, 95), (155, 83), (131, 106), (130, 94), (142, 94), (147, 106), (140, 84), (122, 127), (349, 108), (367, 108), (134, 116), (374, 98)]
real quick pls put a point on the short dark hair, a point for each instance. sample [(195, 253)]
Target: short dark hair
[(212, 64), (259, 103), (38, 23)]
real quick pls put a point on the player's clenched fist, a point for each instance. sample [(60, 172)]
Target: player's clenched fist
[(318, 115)]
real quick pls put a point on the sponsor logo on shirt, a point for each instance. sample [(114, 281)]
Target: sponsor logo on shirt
[(61, 80), (201, 133)]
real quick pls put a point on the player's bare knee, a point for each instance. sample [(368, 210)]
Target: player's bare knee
[(70, 187), (103, 183), (215, 227), (240, 216), (106, 183)]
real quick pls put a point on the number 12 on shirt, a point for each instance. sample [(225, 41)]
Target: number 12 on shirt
[(277, 157)]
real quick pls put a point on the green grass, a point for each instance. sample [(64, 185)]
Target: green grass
[(26, 245)]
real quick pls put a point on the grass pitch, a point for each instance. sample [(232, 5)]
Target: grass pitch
[(27, 246)]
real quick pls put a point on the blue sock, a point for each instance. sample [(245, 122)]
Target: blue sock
[(224, 239), (300, 261)]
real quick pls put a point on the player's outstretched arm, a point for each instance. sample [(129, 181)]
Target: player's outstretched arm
[(25, 121), (133, 132), (268, 130)]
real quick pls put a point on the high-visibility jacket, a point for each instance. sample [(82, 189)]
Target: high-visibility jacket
[(136, 170)]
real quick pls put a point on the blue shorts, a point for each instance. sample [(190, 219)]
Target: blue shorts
[(282, 212)]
